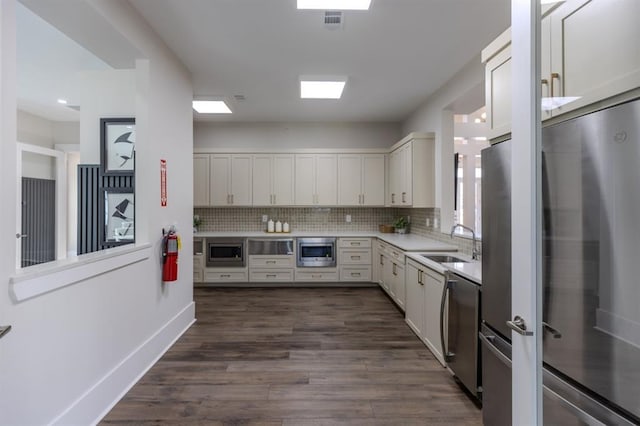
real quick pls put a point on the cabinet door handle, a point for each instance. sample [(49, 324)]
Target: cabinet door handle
[(393, 198), (394, 269), (231, 198), (381, 257), (404, 194), (554, 75), (419, 277), (274, 199)]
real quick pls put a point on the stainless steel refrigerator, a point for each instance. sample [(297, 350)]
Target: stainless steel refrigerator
[(591, 271)]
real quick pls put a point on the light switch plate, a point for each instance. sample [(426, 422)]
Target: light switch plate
[(435, 223), (265, 218), (347, 218), (428, 222)]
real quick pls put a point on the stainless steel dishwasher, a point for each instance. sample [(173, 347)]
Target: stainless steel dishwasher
[(461, 349)]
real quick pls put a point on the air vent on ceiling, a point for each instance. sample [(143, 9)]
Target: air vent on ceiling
[(333, 19), (239, 97)]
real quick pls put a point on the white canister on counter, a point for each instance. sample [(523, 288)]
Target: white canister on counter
[(270, 226), (285, 227), (278, 226)]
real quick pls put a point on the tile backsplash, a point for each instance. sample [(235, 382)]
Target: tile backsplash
[(325, 219)]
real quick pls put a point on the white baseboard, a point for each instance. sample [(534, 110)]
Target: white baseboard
[(620, 327), (91, 407)]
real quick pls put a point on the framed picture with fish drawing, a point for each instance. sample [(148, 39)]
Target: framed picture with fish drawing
[(117, 143), (119, 216)]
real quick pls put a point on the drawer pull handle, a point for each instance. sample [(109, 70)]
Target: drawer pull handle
[(272, 262), (225, 276), (355, 257), (355, 243), (271, 275), (355, 274), (316, 276)]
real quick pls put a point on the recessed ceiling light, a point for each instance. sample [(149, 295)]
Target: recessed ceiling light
[(321, 89), (551, 1), (480, 138), (62, 101), (334, 4), (211, 107)]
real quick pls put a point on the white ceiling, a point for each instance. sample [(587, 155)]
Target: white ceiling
[(395, 55)]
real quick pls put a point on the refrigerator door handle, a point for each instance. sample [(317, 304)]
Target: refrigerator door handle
[(487, 340), (555, 333), (448, 356)]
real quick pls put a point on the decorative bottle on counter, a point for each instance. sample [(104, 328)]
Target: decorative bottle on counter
[(285, 227), (278, 226), (270, 226)]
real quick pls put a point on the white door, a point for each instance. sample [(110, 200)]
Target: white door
[(262, 180), (283, 178), (220, 180), (201, 180), (305, 194), (373, 179), (326, 179), (349, 180), (241, 180), (526, 293), (415, 298)]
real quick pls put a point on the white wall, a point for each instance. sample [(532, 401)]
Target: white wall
[(436, 115), (283, 136), (74, 351), (104, 94)]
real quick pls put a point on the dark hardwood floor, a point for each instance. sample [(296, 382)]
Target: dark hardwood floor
[(303, 357)]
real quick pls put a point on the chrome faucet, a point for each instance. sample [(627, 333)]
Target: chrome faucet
[(475, 252)]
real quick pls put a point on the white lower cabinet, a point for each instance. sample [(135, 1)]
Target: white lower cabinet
[(271, 275), (219, 275), (355, 273), (354, 259), (198, 264), (316, 274), (434, 283), (414, 311), (390, 265), (424, 296)]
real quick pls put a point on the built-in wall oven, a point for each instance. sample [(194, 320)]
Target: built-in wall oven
[(226, 252), (316, 252)]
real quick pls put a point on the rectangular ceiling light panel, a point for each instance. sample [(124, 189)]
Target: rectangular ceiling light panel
[(321, 89), (334, 4), (211, 107)]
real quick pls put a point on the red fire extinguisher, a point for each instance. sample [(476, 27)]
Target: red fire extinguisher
[(170, 245)]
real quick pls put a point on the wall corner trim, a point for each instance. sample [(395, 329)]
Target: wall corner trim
[(98, 400), (40, 279)]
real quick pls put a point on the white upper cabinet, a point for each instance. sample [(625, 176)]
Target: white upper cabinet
[(595, 50), (412, 172), (316, 179), (361, 179), (201, 180), (230, 180), (273, 179), (589, 52)]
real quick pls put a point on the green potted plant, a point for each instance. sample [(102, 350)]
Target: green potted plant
[(196, 222), (401, 224)]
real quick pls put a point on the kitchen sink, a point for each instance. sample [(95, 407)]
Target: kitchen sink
[(443, 258)]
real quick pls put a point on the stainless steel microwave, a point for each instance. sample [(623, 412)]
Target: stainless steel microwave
[(226, 252), (316, 252)]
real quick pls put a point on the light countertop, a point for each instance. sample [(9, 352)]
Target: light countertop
[(472, 269), (405, 242)]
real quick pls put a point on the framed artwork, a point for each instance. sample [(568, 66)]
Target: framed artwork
[(117, 143), (119, 216)]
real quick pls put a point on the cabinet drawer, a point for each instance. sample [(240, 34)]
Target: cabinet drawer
[(355, 257), (310, 276), (275, 275), (396, 254), (355, 274), (225, 276), (197, 276), (271, 262), (354, 242)]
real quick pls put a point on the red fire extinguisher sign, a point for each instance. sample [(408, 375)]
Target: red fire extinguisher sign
[(163, 183)]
